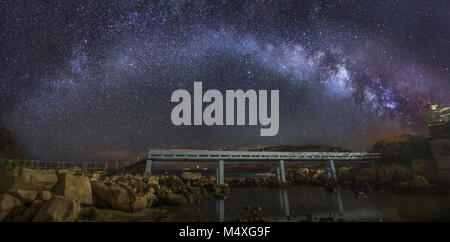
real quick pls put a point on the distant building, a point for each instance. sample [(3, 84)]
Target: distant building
[(438, 120)]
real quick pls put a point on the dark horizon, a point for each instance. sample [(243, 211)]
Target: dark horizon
[(84, 80)]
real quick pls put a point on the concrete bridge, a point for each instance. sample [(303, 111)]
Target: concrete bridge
[(328, 159)]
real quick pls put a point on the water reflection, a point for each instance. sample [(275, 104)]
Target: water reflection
[(338, 200), (294, 203), (220, 208), (284, 201)]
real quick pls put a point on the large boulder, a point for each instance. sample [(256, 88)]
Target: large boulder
[(75, 187), (31, 211), (169, 198), (419, 182), (421, 166), (139, 202), (441, 177), (403, 172), (366, 174), (441, 153), (170, 181), (95, 177), (318, 176), (151, 179), (153, 182), (8, 206), (218, 191), (58, 209), (386, 174), (344, 173), (191, 176), (45, 195), (24, 195), (121, 195), (394, 172), (151, 198), (26, 179), (112, 195), (301, 176)]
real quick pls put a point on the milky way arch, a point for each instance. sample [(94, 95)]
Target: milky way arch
[(91, 80)]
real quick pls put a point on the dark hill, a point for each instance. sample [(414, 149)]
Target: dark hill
[(9, 149)]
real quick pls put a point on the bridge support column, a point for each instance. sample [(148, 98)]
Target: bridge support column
[(331, 170), (148, 166), (281, 173), (220, 176), (277, 174)]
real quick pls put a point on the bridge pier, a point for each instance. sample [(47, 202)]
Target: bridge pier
[(330, 170), (220, 175), (148, 166)]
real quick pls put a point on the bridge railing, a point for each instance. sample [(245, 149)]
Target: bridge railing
[(260, 156), (85, 166)]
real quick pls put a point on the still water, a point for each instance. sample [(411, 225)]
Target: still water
[(293, 203)]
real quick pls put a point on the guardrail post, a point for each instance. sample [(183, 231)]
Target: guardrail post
[(148, 166), (220, 173)]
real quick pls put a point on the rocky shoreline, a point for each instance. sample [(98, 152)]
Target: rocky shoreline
[(66, 195), (408, 164)]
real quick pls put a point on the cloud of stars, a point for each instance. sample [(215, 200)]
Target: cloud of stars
[(92, 80)]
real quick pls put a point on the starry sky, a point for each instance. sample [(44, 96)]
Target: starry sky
[(92, 80)]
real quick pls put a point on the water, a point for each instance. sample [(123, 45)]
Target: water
[(277, 203), (297, 201)]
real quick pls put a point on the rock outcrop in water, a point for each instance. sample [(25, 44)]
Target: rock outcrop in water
[(405, 150), (433, 151)]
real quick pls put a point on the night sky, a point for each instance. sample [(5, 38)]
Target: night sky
[(92, 79)]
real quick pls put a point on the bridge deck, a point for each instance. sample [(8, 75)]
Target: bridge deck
[(258, 156), (243, 156)]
